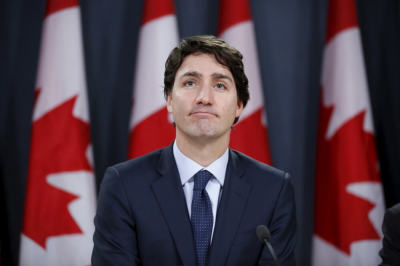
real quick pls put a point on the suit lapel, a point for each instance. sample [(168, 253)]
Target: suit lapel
[(230, 211), (171, 199)]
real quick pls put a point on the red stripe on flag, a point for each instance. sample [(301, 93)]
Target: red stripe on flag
[(250, 137), (342, 15), (151, 134), (156, 8), (232, 12), (54, 6)]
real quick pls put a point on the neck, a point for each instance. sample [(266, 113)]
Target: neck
[(202, 151)]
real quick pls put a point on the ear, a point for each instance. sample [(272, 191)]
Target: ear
[(239, 109), (169, 103)]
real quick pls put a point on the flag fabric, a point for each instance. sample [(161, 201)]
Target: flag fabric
[(60, 196), (349, 203), (250, 134), (150, 126)]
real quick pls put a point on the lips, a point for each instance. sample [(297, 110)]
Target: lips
[(202, 113)]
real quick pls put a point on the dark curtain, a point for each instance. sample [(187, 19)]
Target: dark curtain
[(290, 39), (380, 29), (20, 30)]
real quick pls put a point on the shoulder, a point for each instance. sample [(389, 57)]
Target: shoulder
[(391, 241), (259, 170), (142, 163), (392, 219), (140, 170), (267, 183), (394, 210)]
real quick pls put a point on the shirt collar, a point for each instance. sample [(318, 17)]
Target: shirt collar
[(187, 168)]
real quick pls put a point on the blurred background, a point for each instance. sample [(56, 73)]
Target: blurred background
[(290, 38)]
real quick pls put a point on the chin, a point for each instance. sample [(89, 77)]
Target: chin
[(202, 133), (203, 130), (206, 129)]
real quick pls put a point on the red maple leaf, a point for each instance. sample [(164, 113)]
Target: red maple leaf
[(348, 157), (58, 144)]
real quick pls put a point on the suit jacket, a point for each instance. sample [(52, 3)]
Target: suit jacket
[(142, 216), (390, 252)]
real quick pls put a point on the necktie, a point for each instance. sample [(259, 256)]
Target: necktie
[(202, 218)]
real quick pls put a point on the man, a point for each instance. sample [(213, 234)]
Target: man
[(196, 202), (390, 252)]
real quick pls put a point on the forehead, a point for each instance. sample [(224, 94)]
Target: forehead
[(205, 64)]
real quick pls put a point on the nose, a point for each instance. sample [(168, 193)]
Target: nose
[(205, 95)]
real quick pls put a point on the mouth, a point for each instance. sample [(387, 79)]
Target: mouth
[(202, 114)]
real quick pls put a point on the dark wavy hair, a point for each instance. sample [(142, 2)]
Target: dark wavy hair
[(224, 53)]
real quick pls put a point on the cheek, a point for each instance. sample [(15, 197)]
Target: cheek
[(231, 107), (179, 107)]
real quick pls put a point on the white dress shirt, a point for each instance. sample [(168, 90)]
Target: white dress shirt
[(187, 168)]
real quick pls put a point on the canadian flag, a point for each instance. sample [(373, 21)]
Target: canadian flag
[(250, 133), (60, 197), (150, 128), (349, 203)]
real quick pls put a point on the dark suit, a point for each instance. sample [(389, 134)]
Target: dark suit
[(390, 251), (142, 216)]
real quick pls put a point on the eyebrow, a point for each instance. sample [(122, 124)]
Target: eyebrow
[(214, 75), (191, 74), (221, 76)]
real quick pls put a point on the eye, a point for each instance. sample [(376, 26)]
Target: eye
[(189, 83), (220, 86)]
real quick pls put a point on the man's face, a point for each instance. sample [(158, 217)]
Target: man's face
[(203, 101)]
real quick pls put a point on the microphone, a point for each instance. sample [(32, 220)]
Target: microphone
[(264, 236)]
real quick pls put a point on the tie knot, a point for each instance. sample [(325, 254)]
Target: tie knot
[(201, 179)]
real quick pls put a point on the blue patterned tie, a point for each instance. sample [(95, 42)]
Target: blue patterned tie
[(202, 217)]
